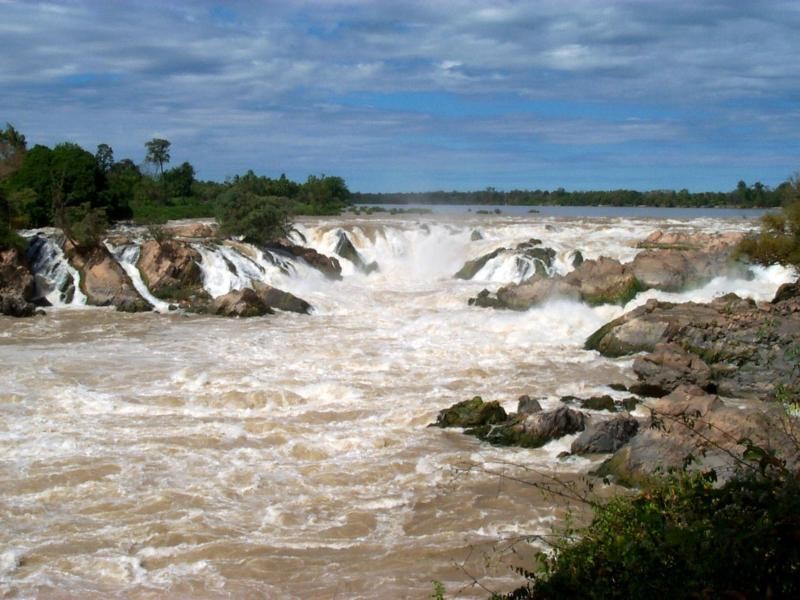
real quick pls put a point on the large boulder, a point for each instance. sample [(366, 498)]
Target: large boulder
[(693, 429), (278, 299), (602, 437), (471, 267), (240, 303), (688, 241), (103, 280), (171, 271), (17, 284), (191, 230)]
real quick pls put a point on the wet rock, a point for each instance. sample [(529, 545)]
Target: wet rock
[(471, 267), (663, 270), (471, 413), (701, 241), (486, 299), (327, 265), (599, 403), (577, 259), (533, 430), (630, 403), (603, 281), (103, 280), (788, 291), (240, 303), (475, 236), (17, 284), (280, 300), (605, 436), (345, 249), (618, 387), (531, 259), (171, 271), (527, 405)]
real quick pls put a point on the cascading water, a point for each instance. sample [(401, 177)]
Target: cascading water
[(127, 255), (56, 279), (175, 455)]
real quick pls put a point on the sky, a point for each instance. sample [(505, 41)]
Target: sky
[(419, 96)]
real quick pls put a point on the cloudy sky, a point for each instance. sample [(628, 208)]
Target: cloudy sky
[(415, 96)]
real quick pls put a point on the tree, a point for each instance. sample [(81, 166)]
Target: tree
[(158, 153), (104, 157), (13, 147), (258, 219), (178, 181)]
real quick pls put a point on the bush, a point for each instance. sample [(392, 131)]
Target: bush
[(779, 240), (257, 219), (84, 225), (683, 538)]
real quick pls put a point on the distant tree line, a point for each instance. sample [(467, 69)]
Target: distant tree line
[(82, 193), (757, 195)]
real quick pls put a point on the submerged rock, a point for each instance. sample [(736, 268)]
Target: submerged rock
[(471, 413), (278, 299), (240, 303), (531, 260)]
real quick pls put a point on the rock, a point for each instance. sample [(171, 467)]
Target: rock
[(17, 284), (618, 387), (327, 265), (630, 403), (485, 299), (603, 281), (527, 405), (345, 249), (171, 271), (663, 270), (278, 299), (690, 423), (475, 236), (103, 280), (599, 403), (533, 430), (667, 367), (191, 230), (471, 267), (787, 291), (240, 303), (605, 436), (471, 413), (681, 240), (533, 292), (577, 259), (530, 260)]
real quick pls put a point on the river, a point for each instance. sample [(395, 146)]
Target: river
[(163, 454)]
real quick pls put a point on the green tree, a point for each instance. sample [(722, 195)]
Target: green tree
[(258, 219), (104, 157), (178, 181), (13, 147), (158, 153)]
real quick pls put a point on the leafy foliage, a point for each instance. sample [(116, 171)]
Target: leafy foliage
[(779, 240), (685, 537), (158, 152), (84, 225), (258, 219)]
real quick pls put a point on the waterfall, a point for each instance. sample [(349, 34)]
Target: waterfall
[(56, 280), (127, 255)]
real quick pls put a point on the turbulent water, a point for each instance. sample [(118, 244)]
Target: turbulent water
[(162, 454)]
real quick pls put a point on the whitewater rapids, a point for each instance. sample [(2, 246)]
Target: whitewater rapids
[(151, 455)]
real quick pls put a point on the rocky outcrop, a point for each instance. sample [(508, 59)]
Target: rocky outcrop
[(489, 422), (191, 230), (327, 265), (669, 262), (171, 271), (694, 429), (240, 303), (17, 284), (103, 280), (603, 437), (531, 259), (280, 300), (731, 346), (345, 249)]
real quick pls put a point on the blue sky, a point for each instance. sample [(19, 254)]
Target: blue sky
[(418, 96)]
